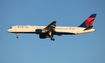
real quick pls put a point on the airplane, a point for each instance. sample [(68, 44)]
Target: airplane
[(51, 30)]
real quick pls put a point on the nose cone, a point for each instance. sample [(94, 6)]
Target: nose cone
[(8, 30)]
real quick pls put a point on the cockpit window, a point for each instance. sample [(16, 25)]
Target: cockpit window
[(10, 28)]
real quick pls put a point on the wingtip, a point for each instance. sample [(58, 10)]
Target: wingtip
[(54, 21)]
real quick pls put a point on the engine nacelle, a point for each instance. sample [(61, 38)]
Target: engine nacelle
[(42, 36), (38, 31)]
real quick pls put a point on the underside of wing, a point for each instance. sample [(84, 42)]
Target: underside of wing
[(49, 31)]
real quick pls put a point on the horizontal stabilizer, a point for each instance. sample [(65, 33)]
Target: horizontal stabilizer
[(90, 27)]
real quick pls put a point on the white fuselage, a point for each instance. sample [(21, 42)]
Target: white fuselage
[(59, 29)]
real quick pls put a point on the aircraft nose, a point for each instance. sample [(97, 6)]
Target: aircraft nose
[(8, 30)]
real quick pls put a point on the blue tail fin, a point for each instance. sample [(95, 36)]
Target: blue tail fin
[(89, 21)]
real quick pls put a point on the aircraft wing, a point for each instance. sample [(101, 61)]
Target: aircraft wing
[(50, 29), (51, 26)]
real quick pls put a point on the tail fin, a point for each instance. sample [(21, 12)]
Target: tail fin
[(89, 21)]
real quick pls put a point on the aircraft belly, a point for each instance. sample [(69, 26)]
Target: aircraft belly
[(67, 32), (82, 31)]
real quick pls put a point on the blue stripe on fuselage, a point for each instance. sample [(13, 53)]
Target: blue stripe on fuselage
[(56, 33), (63, 33)]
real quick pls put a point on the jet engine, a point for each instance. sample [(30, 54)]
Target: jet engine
[(39, 31), (42, 36)]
